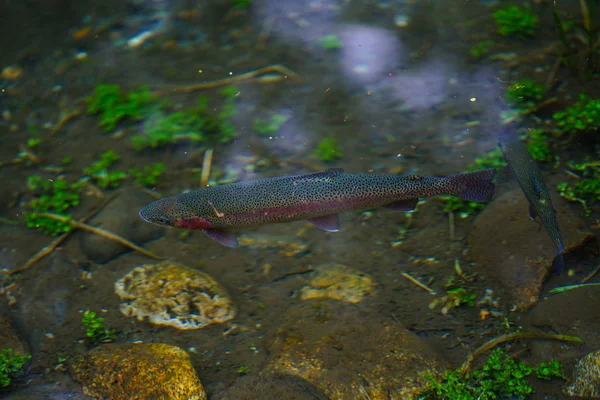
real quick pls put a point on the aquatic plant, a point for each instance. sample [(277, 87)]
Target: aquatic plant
[(98, 171), (537, 141), (481, 49), (590, 37), (268, 127), (493, 159), (524, 94), (586, 188), (583, 116), (115, 106), (94, 328), (330, 42), (454, 298), (500, 377), (198, 125), (242, 4), (53, 196), (328, 149), (11, 365), (149, 175), (515, 21)]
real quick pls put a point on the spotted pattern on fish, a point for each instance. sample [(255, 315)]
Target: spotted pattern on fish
[(308, 196)]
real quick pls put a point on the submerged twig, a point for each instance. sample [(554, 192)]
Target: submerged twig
[(263, 36), (451, 226), (513, 336), (58, 241), (101, 232), (591, 275), (418, 283), (234, 79), (66, 118), (206, 165)]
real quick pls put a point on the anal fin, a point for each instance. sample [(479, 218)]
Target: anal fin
[(224, 237), (532, 212), (329, 223)]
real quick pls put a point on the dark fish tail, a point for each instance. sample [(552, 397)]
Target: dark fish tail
[(558, 264), (473, 186)]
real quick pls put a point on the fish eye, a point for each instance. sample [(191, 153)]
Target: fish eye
[(163, 220)]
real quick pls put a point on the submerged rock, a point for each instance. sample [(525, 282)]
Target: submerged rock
[(138, 371), (172, 294), (120, 217), (350, 354), (586, 377), (338, 282), (9, 338), (272, 387), (516, 251)]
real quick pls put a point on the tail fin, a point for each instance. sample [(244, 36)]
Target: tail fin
[(473, 186), (558, 264)]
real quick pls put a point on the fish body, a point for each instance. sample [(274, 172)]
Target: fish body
[(531, 180), (316, 197)]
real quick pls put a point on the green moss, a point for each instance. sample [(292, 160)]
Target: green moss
[(328, 149), (94, 328), (269, 127), (524, 94), (198, 125), (53, 196), (515, 21), (11, 366), (330, 42), (537, 141), (242, 4), (584, 189), (583, 116), (481, 49), (494, 159), (149, 175), (99, 174), (115, 106), (500, 377)]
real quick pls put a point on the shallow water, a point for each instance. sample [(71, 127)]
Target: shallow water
[(398, 91)]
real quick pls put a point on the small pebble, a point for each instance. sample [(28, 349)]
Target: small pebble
[(401, 20), (12, 73)]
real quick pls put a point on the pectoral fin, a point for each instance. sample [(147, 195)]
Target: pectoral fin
[(329, 223), (403, 205), (224, 237)]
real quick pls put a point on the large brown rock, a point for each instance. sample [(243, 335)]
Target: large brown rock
[(350, 354), (138, 371), (516, 251)]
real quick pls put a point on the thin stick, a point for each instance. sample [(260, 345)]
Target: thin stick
[(451, 226), (234, 79), (68, 117), (206, 164), (513, 336), (418, 283), (263, 37), (591, 275), (58, 241), (101, 232)]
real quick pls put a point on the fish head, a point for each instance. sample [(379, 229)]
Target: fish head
[(173, 212), (160, 212)]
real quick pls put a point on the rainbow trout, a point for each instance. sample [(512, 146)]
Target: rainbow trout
[(316, 197), (531, 180)]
